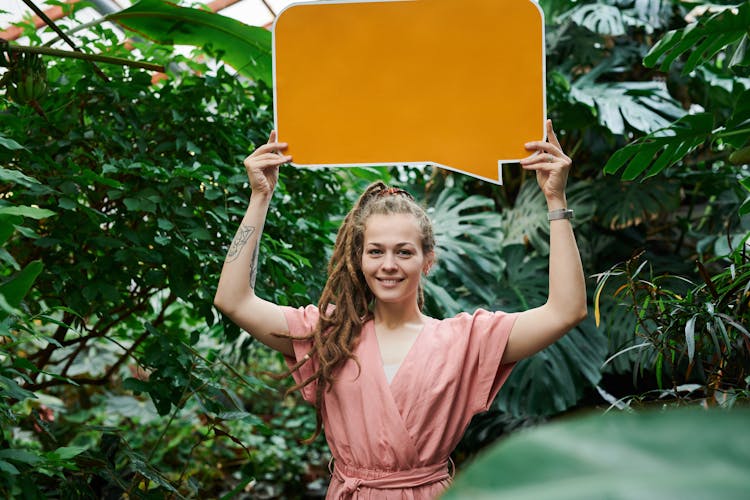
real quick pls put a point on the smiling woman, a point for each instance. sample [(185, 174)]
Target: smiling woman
[(394, 388)]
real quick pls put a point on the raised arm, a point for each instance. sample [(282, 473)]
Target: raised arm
[(537, 328), (235, 295)]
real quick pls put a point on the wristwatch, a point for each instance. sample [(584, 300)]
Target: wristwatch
[(560, 213)]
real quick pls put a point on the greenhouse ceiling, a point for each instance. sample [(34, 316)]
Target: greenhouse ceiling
[(252, 12)]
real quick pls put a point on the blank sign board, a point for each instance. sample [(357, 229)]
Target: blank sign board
[(454, 83)]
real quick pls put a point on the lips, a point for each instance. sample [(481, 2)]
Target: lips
[(389, 281)]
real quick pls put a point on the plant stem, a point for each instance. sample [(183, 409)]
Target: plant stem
[(47, 51)]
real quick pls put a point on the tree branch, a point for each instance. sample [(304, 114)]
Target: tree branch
[(47, 51)]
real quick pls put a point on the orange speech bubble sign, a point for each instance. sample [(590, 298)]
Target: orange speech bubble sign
[(459, 84)]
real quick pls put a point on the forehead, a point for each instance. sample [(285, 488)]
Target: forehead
[(392, 228)]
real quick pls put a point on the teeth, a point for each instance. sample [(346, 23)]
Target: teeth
[(389, 282)]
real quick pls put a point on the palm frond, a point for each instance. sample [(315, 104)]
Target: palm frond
[(704, 39), (660, 149)]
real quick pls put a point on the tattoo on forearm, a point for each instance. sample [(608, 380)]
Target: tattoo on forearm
[(243, 234)]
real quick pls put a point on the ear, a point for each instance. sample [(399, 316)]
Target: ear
[(429, 261)]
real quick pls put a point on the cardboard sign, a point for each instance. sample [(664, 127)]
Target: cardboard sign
[(454, 83)]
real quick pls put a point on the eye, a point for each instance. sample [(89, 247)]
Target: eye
[(405, 253), (374, 251)]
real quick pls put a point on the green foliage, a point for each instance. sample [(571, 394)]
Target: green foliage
[(678, 453), (120, 200), (643, 106), (554, 379), (689, 331), (704, 39), (246, 48), (663, 148), (465, 229)]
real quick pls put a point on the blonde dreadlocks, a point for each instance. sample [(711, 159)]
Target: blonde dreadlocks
[(346, 299)]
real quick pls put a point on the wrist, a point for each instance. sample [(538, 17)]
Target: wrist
[(557, 203), (261, 194)]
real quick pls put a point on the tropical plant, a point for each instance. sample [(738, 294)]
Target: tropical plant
[(650, 454), (140, 187), (688, 331)]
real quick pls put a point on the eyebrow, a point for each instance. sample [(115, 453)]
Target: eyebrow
[(401, 244)]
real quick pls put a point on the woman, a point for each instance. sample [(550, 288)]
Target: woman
[(395, 389)]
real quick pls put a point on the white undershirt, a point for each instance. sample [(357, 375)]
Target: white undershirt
[(390, 371)]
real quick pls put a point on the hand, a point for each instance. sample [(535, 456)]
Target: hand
[(263, 165), (552, 167)]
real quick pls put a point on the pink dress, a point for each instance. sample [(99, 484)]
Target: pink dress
[(394, 441)]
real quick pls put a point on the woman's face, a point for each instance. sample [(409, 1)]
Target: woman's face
[(392, 257)]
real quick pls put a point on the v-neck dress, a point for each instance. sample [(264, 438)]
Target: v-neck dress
[(394, 441)]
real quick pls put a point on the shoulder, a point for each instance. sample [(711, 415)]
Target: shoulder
[(301, 320), (480, 318)]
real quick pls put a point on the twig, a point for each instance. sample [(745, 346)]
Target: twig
[(87, 57), (62, 34)]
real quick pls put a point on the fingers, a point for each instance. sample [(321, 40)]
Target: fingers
[(271, 137), (547, 154), (546, 161), (266, 160), (270, 147), (551, 136)]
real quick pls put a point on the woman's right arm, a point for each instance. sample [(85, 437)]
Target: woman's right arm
[(235, 295)]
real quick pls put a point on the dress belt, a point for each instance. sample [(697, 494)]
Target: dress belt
[(354, 477)]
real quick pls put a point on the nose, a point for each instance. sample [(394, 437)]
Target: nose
[(389, 262)]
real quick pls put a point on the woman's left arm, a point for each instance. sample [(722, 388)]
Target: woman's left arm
[(537, 328)]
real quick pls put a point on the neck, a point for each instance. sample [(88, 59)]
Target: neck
[(395, 315)]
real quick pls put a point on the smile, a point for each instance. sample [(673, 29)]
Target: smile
[(390, 281)]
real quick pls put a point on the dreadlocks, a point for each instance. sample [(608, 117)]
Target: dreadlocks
[(346, 299)]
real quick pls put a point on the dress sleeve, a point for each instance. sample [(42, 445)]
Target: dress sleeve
[(484, 373), (300, 322)]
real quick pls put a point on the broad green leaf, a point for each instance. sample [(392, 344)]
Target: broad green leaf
[(703, 39), (246, 48), (554, 379), (20, 456), (468, 236), (7, 223), (15, 177), (627, 204), (13, 390), (740, 62), (745, 207), (14, 290), (8, 143), (66, 452), (8, 468), (599, 18), (658, 150), (25, 211), (645, 106), (678, 453)]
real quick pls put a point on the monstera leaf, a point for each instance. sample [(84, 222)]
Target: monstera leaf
[(679, 453), (246, 48), (554, 379), (599, 18), (526, 222), (705, 38), (468, 238), (645, 106), (613, 17), (627, 204), (665, 147)]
